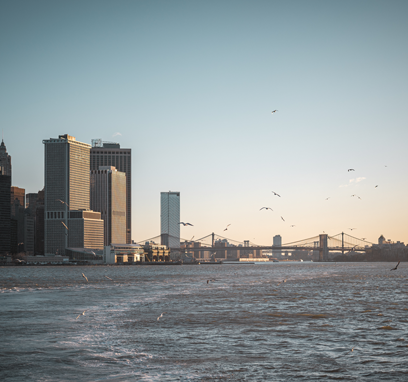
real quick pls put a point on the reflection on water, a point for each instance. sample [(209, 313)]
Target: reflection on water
[(328, 321)]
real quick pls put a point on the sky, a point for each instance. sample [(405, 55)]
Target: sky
[(189, 86)]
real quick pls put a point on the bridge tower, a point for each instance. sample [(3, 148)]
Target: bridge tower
[(323, 250)]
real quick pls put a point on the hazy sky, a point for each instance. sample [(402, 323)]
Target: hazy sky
[(189, 86)]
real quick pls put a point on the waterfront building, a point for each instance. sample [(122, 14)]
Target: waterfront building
[(85, 229), (277, 241), (110, 154), (108, 196), (39, 224), (17, 223), (5, 160), (5, 214), (67, 188), (170, 219), (123, 253)]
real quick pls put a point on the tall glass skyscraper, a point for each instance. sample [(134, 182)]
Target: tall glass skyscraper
[(108, 196), (67, 190), (110, 154), (170, 219)]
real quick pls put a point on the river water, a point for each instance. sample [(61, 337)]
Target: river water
[(327, 321)]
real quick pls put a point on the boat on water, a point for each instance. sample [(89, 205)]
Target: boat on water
[(276, 261)]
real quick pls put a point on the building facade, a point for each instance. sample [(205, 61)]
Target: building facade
[(277, 241), (108, 196), (5, 160), (110, 154), (85, 229), (5, 214), (66, 187), (170, 219), (17, 193)]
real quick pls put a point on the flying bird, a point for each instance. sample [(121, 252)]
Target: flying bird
[(61, 201), (82, 314), (328, 198), (158, 318), (85, 277), (351, 229), (266, 208), (184, 224), (356, 196), (394, 269), (376, 186), (282, 218), (274, 111), (275, 193), (108, 278), (351, 169), (227, 227), (65, 225), (293, 225)]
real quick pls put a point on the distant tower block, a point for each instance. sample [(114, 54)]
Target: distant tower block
[(110, 154), (108, 196), (66, 188), (5, 160), (170, 219), (277, 241)]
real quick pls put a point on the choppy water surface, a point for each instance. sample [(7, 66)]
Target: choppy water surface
[(246, 324)]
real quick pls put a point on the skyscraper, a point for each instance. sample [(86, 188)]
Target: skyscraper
[(66, 188), (110, 154), (5, 160), (5, 214), (277, 241), (108, 196), (170, 218)]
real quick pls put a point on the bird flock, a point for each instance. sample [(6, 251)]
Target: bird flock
[(267, 208)]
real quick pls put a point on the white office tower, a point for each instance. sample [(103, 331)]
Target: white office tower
[(170, 219)]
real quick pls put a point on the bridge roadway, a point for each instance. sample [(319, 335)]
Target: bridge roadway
[(213, 249)]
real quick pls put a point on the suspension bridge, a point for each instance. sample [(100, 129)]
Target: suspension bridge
[(220, 245)]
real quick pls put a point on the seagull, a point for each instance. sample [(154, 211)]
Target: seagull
[(350, 169), (293, 225), (61, 201), (275, 193), (158, 318), (394, 269), (266, 208), (376, 186), (65, 225), (184, 224), (108, 278), (351, 229), (328, 198), (274, 111), (85, 277), (82, 314), (227, 227), (282, 218), (356, 195)]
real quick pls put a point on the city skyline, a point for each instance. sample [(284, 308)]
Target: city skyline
[(190, 87)]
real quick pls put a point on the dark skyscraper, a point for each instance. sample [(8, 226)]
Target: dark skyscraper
[(110, 154), (5, 160), (5, 214)]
